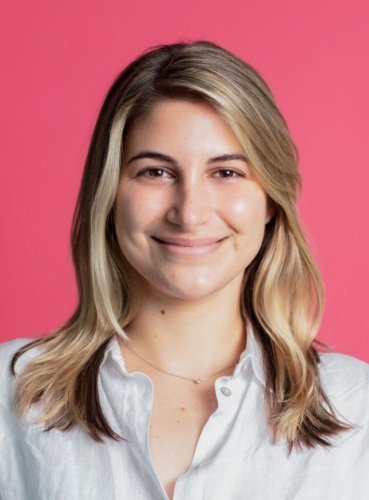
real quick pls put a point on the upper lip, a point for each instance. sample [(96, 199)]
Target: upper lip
[(188, 242)]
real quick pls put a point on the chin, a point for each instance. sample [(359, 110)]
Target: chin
[(191, 292)]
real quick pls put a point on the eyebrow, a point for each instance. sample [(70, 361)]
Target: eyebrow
[(168, 159)]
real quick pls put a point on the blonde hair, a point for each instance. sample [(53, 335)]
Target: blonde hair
[(282, 294)]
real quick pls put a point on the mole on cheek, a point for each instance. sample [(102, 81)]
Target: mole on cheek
[(183, 408), (162, 311)]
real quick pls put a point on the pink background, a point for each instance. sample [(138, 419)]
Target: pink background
[(59, 58)]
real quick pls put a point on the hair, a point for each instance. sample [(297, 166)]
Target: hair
[(282, 296)]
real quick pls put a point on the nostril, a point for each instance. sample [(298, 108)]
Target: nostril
[(189, 216)]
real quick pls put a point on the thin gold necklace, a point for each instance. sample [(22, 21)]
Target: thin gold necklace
[(194, 380)]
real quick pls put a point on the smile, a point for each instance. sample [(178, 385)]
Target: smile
[(189, 247)]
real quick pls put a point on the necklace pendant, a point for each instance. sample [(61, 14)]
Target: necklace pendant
[(197, 381)]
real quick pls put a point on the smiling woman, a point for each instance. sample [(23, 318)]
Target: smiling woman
[(189, 217), (189, 368)]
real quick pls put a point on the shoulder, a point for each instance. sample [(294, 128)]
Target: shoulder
[(7, 386), (7, 351), (341, 372), (346, 382)]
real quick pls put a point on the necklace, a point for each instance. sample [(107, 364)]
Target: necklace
[(194, 380)]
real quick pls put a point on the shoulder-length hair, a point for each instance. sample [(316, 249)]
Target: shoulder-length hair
[(282, 296)]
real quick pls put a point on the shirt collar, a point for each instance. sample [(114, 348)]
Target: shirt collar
[(252, 354)]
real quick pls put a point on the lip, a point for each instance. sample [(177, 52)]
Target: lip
[(189, 246)]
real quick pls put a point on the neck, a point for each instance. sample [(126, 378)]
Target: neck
[(189, 337)]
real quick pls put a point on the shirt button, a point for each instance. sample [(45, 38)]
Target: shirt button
[(225, 391)]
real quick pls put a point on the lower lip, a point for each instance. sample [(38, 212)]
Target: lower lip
[(180, 250)]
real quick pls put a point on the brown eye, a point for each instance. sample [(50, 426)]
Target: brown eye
[(156, 173), (228, 173)]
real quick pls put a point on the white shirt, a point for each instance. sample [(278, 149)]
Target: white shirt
[(234, 457)]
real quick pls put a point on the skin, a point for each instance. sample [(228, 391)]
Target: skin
[(190, 217)]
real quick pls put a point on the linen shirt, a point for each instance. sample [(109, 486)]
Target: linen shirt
[(234, 458)]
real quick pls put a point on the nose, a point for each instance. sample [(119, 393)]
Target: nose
[(190, 207)]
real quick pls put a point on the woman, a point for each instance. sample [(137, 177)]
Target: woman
[(188, 370)]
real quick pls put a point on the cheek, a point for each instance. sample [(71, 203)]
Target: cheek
[(249, 210), (137, 203), (240, 207), (248, 219), (124, 218), (137, 213), (126, 211), (129, 210)]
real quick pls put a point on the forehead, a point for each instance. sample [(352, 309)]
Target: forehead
[(185, 124)]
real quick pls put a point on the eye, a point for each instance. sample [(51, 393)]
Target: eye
[(228, 173), (155, 173)]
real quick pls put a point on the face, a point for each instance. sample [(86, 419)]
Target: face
[(190, 216)]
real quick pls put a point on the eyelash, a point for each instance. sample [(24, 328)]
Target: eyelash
[(146, 173)]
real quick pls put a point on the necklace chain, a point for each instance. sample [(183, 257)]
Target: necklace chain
[(194, 380)]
